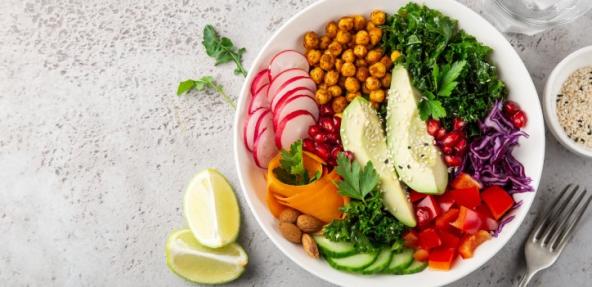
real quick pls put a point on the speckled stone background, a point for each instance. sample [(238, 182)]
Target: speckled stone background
[(95, 148)]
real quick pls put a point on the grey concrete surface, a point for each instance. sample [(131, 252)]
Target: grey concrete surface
[(95, 148)]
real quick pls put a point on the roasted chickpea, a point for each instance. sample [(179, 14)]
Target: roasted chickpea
[(362, 38), (377, 70), (360, 51), (386, 80), (335, 91), (331, 29), (338, 64), (322, 96), (386, 61), (339, 104), (361, 63), (362, 74), (313, 57), (343, 37), (331, 78), (348, 69), (372, 84), (348, 56), (375, 35), (395, 55), (352, 84), (378, 17), (374, 56), (352, 95), (327, 62), (359, 22), (346, 23), (370, 26), (324, 42), (377, 96), (335, 49), (311, 40), (317, 74)]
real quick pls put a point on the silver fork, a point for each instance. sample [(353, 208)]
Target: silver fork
[(553, 230)]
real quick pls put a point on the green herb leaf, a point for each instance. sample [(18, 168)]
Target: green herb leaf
[(357, 182), (223, 50), (202, 84), (291, 170), (185, 86)]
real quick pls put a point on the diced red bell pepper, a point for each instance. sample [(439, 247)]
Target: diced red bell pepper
[(471, 242), (429, 239), (421, 255), (442, 258), (442, 222), (446, 201), (431, 203), (410, 239), (497, 200), (415, 196), (487, 221), (468, 221), (463, 180), (423, 215), (468, 197), (449, 239)]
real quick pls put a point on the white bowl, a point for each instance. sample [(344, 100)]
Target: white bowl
[(578, 59), (512, 71)]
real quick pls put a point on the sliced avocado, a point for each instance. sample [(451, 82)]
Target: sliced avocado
[(417, 160), (362, 134)]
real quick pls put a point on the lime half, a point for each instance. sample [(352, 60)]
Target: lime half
[(211, 209), (186, 257)]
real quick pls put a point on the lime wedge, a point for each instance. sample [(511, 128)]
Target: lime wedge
[(186, 257), (211, 209)]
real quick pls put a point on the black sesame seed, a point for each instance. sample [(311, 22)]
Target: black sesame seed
[(425, 144), (386, 161), (400, 167), (408, 166), (408, 147)]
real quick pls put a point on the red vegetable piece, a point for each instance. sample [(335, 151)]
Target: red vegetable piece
[(429, 239), (470, 243), (464, 180), (443, 221), (449, 239), (446, 201), (487, 221), (410, 239), (423, 215), (430, 203), (442, 258), (468, 197), (497, 200), (415, 196), (468, 221)]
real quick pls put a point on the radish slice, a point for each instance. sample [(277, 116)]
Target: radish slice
[(265, 148), (285, 94), (285, 60), (292, 128), (250, 126), (261, 79), (259, 99), (265, 122), (297, 82), (283, 79), (296, 103)]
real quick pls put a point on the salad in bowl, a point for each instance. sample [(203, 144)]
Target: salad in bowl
[(385, 143)]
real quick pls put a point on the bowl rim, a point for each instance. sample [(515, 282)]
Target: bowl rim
[(549, 103), (268, 230)]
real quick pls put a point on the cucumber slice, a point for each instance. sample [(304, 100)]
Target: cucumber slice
[(400, 261), (353, 263), (416, 266), (381, 262), (334, 249)]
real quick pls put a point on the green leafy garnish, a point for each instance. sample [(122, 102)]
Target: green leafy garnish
[(202, 84), (291, 170), (223, 50), (448, 66), (357, 182)]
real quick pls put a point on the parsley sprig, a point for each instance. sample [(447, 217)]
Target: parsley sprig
[(357, 181), (223, 50), (203, 84), (291, 170)]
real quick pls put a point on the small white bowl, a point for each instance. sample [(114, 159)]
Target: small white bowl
[(578, 59)]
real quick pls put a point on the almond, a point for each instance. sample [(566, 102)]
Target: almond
[(310, 246), (291, 232), (289, 215), (308, 224)]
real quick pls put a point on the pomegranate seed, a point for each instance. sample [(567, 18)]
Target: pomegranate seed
[(433, 126), (336, 151), (326, 110), (327, 124), (458, 124), (447, 150), (323, 151), (332, 138), (453, 160), (519, 119), (440, 134), (320, 138), (461, 145), (337, 123), (510, 108), (349, 155), (314, 130), (451, 138), (308, 145)]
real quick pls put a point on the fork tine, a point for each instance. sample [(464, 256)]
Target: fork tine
[(572, 223), (558, 221), (560, 203)]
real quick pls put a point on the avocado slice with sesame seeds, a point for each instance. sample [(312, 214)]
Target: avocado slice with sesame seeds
[(417, 160), (362, 134)]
